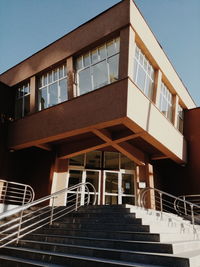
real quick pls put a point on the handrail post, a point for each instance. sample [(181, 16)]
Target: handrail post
[(76, 199), (52, 209), (161, 204), (6, 188), (24, 195), (21, 214), (192, 215), (185, 208), (19, 228)]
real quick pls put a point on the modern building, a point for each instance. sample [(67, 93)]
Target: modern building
[(101, 104)]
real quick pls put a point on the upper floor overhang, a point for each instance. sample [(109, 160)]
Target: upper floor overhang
[(117, 115)]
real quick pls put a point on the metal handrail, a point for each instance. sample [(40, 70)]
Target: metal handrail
[(194, 199), (15, 193), (31, 217), (167, 203)]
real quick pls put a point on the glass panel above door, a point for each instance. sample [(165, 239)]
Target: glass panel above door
[(126, 163), (77, 161), (93, 160), (111, 161)]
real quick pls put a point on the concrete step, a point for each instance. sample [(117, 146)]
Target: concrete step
[(52, 255), (144, 246), (51, 259), (102, 242), (100, 219), (10, 261), (100, 226), (94, 207), (127, 235), (136, 226), (100, 209), (165, 236)]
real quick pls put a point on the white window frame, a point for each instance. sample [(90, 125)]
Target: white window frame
[(166, 95), (47, 85), (78, 70), (148, 70), (180, 118), (23, 96)]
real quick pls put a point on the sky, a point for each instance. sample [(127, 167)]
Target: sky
[(26, 26)]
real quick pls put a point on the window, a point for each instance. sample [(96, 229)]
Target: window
[(97, 67), (52, 87), (93, 160), (180, 119), (22, 104), (165, 104), (111, 161), (143, 73)]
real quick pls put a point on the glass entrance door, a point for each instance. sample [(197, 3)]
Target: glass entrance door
[(93, 177), (118, 187), (111, 187), (76, 176)]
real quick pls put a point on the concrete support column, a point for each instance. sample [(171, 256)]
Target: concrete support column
[(175, 110), (144, 174), (157, 88), (33, 95), (70, 78), (60, 180), (127, 52)]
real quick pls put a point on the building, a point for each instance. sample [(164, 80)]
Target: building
[(105, 107)]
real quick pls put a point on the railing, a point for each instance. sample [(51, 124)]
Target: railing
[(183, 208), (15, 193), (166, 203), (24, 220)]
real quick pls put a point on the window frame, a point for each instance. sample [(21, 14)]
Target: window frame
[(140, 60), (166, 97), (180, 118), (22, 97), (92, 64), (42, 84)]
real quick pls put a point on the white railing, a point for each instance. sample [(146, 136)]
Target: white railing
[(167, 203), (15, 193), (30, 217)]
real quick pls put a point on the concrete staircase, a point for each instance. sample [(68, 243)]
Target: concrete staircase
[(97, 236)]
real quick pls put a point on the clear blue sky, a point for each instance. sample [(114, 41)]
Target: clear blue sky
[(27, 26)]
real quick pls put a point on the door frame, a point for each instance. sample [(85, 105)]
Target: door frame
[(120, 193), (83, 180)]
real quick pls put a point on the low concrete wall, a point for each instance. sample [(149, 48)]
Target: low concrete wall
[(6, 207)]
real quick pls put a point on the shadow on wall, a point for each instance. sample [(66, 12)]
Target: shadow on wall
[(32, 166)]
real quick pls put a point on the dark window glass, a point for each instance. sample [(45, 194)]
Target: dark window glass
[(126, 163), (63, 90), (85, 83), (100, 75), (93, 160), (111, 161), (53, 94), (26, 104), (111, 183), (43, 98), (77, 161), (113, 63)]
